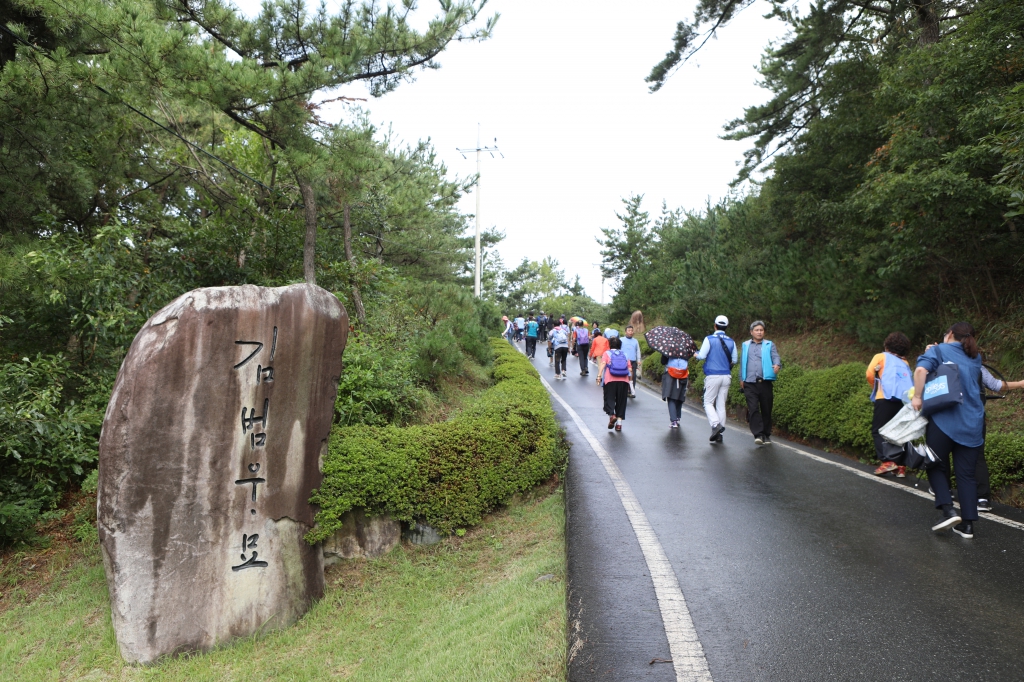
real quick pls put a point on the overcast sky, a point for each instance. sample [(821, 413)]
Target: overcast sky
[(561, 86)]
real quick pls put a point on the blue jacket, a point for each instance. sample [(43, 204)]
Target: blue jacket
[(767, 371), (715, 359), (964, 422)]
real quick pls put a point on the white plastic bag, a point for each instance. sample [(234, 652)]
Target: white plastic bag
[(907, 425)]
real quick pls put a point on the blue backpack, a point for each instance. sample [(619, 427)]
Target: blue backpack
[(619, 365), (582, 335)]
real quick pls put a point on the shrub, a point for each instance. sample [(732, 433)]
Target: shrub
[(378, 385), (1004, 453), (451, 473), (47, 441), (831, 404)]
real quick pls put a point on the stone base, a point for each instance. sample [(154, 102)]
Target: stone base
[(362, 537), (422, 534)]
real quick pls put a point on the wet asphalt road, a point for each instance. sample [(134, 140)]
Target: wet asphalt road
[(792, 569)]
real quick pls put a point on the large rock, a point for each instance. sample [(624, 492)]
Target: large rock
[(211, 445), (362, 537)]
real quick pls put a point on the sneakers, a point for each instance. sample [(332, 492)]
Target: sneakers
[(611, 422), (767, 440), (885, 467), (984, 505), (964, 529), (759, 440), (716, 433), (674, 424), (949, 519), (564, 375), (901, 472)]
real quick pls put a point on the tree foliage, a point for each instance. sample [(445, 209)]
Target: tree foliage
[(892, 205), (149, 148)]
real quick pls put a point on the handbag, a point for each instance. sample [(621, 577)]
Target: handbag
[(920, 457), (907, 425), (942, 387)]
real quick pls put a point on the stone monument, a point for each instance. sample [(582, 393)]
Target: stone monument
[(211, 445)]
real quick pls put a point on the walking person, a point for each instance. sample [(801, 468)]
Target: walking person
[(559, 340), (509, 330), (582, 346), (957, 430), (542, 327), (614, 369), (532, 330), (718, 352), (631, 349), (890, 379), (520, 327), (598, 346), (758, 370), (984, 487), (673, 389)]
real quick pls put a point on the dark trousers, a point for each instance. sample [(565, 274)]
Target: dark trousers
[(582, 349), (531, 346), (885, 410), (615, 395), (632, 369), (760, 396), (675, 409), (543, 334), (965, 463), (561, 356)]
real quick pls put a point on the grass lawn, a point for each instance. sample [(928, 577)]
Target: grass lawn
[(469, 608)]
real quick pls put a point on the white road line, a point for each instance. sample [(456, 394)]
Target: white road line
[(863, 474), (687, 653)]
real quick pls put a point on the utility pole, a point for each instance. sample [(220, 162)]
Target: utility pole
[(478, 149), (601, 266)]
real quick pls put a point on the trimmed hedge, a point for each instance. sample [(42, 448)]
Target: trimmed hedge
[(452, 473)]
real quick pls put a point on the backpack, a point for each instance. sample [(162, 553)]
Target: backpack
[(582, 335), (558, 336), (619, 365)]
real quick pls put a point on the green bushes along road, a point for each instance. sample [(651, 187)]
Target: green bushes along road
[(451, 473)]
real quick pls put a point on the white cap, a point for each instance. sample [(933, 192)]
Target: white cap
[(722, 321)]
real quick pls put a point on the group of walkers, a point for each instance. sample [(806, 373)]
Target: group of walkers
[(954, 436), (956, 432)]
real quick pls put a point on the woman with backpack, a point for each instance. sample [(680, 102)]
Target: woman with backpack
[(558, 339), (890, 379), (954, 428), (615, 369)]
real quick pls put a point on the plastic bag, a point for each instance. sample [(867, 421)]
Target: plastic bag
[(907, 425)]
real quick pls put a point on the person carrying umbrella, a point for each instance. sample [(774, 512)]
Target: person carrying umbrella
[(676, 348)]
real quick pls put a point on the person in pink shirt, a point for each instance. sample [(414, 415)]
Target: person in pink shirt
[(615, 371)]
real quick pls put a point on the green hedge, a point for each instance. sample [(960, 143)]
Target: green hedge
[(452, 473)]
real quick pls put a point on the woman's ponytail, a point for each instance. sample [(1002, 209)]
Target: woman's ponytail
[(964, 333)]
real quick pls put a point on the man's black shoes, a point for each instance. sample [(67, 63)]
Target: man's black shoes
[(716, 433), (949, 518), (964, 529)]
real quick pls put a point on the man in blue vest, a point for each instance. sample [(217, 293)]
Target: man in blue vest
[(718, 352), (758, 370)]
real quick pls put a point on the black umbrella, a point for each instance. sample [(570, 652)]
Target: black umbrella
[(671, 341)]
